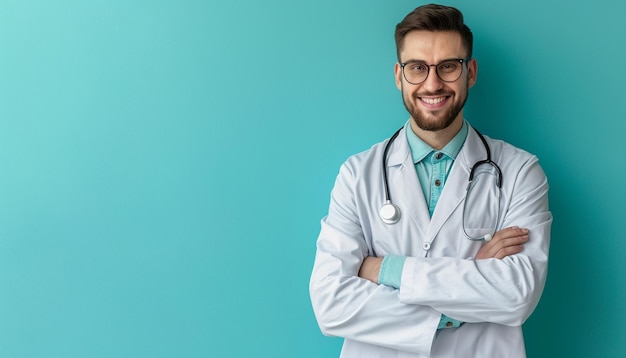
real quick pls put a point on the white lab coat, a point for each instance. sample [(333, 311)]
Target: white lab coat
[(494, 297)]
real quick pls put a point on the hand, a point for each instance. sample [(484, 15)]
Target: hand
[(506, 242), (370, 268)]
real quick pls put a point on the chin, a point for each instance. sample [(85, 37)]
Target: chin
[(433, 124)]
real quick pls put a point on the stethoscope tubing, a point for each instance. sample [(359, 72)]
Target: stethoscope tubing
[(390, 213), (385, 152)]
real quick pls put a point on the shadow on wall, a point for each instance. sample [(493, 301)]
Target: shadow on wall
[(505, 104)]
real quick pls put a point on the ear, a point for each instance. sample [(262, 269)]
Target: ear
[(472, 69), (397, 69)]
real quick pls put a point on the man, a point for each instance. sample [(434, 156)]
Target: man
[(439, 271)]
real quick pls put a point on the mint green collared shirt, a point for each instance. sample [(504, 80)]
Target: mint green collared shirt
[(432, 167)]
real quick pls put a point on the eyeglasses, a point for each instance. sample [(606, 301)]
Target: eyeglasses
[(416, 72)]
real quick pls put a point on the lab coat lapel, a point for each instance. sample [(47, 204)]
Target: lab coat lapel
[(453, 193), (405, 188)]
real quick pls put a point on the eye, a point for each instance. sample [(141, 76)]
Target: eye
[(416, 67), (448, 67)]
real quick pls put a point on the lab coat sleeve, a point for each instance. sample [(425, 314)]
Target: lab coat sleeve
[(500, 291), (354, 308)]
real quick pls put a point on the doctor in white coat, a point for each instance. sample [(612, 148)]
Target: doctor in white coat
[(419, 287)]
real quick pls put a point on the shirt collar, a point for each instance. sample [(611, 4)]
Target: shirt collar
[(420, 150)]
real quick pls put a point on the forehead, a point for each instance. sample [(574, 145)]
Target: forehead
[(432, 46)]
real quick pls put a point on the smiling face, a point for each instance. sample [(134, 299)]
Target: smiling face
[(435, 105)]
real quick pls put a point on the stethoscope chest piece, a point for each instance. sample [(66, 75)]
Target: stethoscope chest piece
[(390, 213)]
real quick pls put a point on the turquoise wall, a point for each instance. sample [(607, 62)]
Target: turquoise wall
[(164, 165)]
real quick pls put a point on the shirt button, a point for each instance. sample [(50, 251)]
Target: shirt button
[(426, 246), (437, 182), (448, 324), (438, 156)]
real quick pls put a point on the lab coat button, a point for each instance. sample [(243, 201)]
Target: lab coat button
[(426, 246)]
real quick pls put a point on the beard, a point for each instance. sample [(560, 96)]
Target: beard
[(436, 121)]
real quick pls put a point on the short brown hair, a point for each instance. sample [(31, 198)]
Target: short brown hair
[(433, 17)]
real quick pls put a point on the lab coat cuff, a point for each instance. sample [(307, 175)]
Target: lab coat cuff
[(390, 273)]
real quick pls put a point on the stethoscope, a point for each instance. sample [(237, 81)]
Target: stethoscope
[(390, 212)]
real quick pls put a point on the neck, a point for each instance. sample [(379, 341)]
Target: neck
[(438, 139)]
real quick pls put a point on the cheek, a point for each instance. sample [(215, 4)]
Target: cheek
[(407, 95)]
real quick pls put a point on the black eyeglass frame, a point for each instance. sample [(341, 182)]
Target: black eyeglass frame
[(461, 60)]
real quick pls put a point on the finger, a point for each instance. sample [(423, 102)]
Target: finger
[(508, 251), (496, 245), (496, 239), (510, 241), (510, 236), (507, 234), (510, 246), (510, 232)]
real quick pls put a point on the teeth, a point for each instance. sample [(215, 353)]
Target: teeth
[(433, 100)]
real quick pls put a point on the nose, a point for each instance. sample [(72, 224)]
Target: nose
[(432, 83)]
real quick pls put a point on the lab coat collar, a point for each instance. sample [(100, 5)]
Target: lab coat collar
[(400, 148), (420, 149), (473, 151)]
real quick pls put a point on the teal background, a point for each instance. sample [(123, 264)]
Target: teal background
[(164, 165)]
